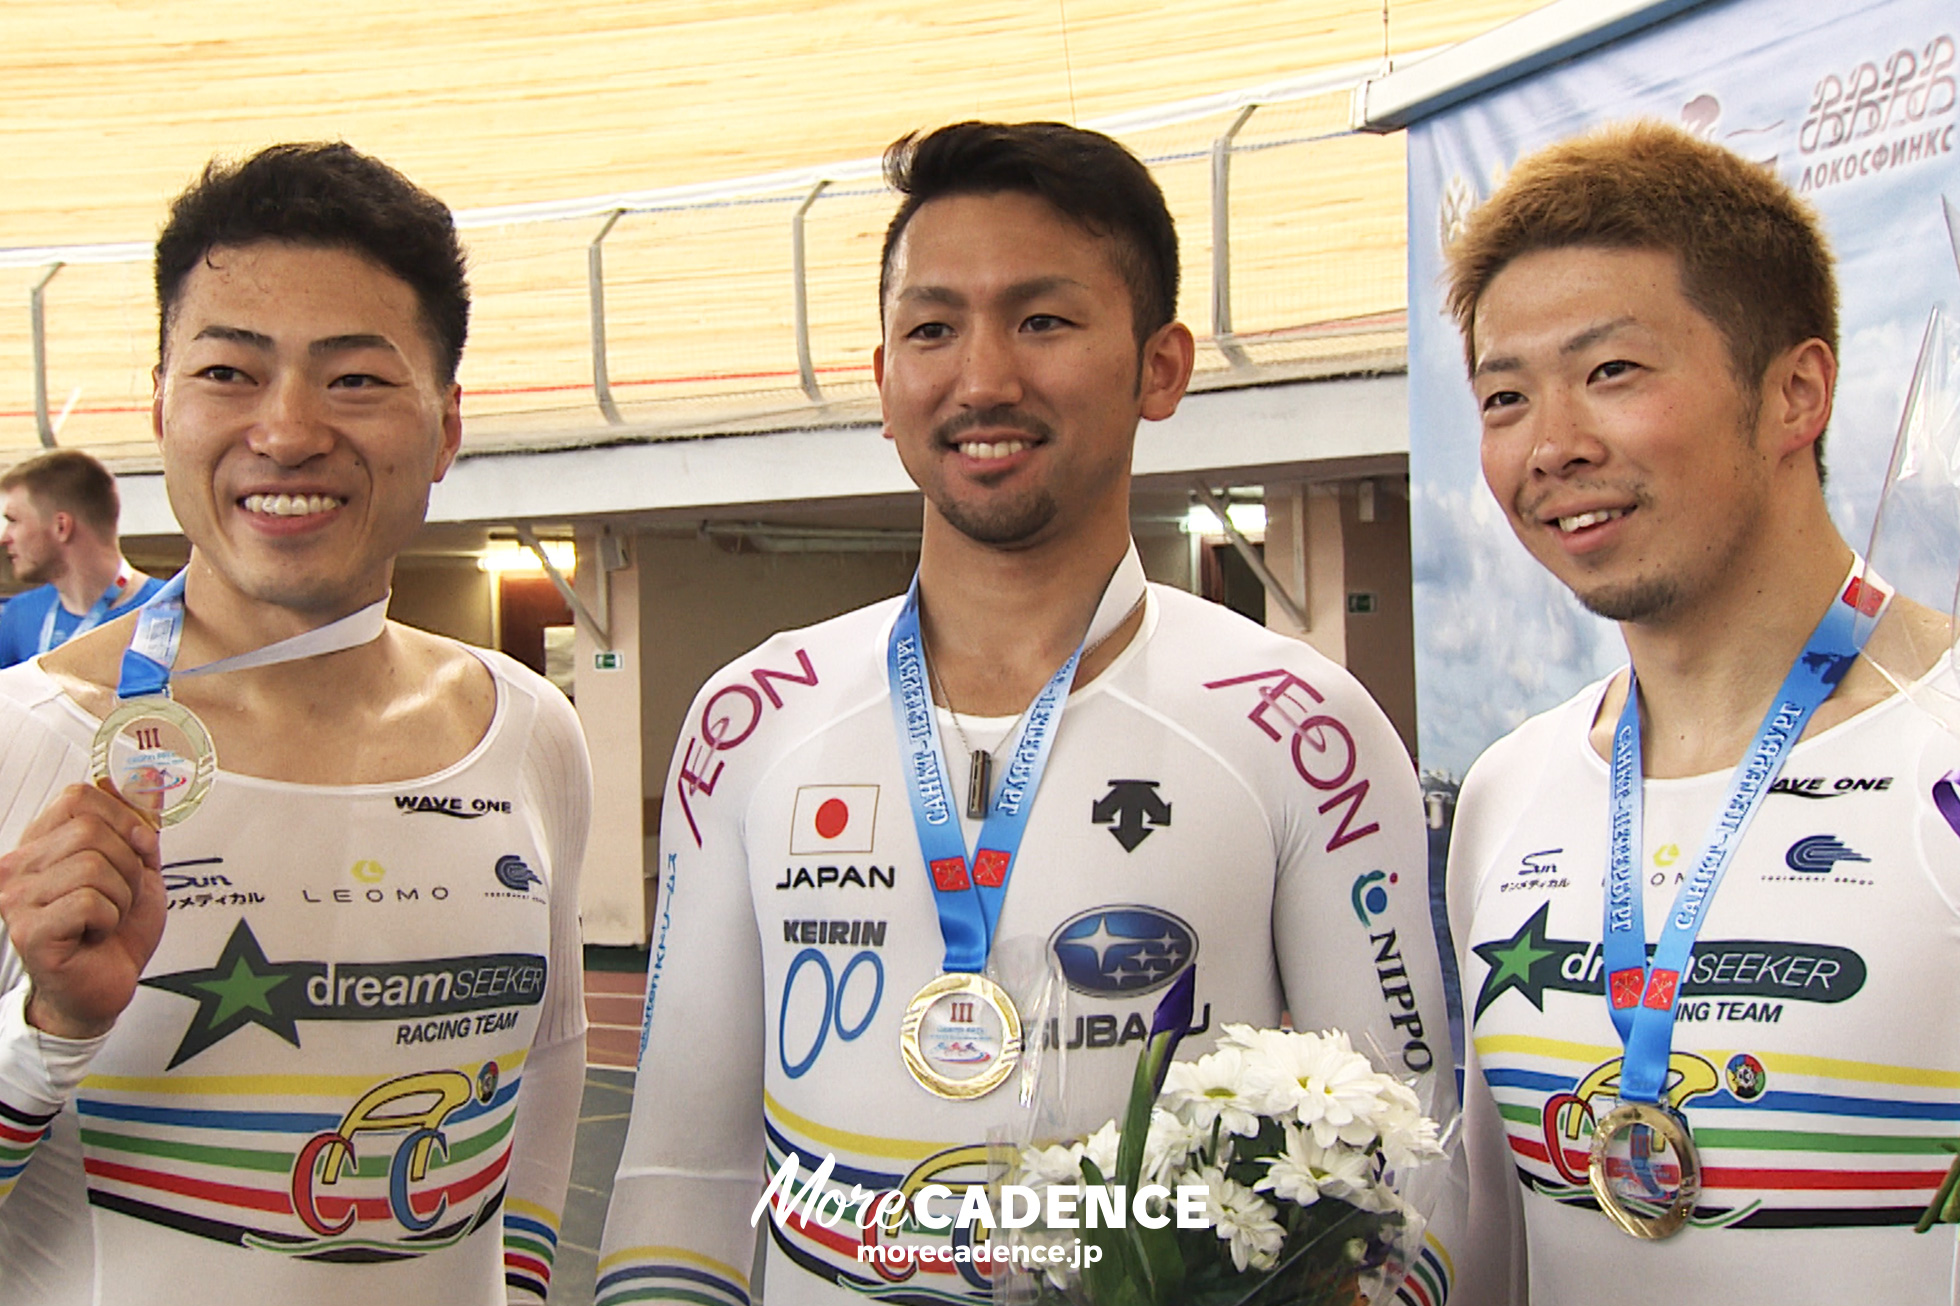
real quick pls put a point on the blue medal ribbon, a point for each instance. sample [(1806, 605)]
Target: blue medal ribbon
[(1644, 997), (969, 892), (152, 653)]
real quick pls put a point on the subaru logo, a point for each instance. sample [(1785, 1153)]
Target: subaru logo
[(1123, 950)]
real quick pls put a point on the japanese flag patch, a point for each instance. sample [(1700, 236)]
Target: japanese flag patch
[(833, 819)]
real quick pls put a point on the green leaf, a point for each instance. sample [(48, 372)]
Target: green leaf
[(1942, 1209)]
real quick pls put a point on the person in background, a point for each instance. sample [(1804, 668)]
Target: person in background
[(61, 511)]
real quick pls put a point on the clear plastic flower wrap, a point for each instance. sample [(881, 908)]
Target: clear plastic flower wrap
[(1273, 1171), (1915, 539)]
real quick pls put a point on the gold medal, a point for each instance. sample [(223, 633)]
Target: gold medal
[(961, 1036), (157, 756), (1650, 1188)]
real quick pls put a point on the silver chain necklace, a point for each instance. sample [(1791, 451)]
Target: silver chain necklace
[(980, 765)]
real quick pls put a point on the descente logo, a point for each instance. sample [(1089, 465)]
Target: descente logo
[(931, 1210)]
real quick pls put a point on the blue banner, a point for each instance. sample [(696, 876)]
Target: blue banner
[(1854, 105)]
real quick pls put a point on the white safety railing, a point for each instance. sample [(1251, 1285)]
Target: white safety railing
[(751, 304)]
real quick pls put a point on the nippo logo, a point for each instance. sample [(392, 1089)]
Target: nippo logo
[(833, 819)]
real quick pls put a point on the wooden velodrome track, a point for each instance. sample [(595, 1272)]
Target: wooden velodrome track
[(111, 107)]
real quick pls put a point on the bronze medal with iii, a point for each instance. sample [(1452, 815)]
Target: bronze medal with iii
[(961, 1036), (1635, 1189)]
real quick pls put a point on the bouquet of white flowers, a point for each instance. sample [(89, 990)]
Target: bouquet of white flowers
[(1296, 1147)]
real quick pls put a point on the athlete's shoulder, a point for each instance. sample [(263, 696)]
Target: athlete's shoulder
[(794, 686), (525, 701), (511, 675), (44, 744), (1541, 737), (855, 631), (1211, 633), (26, 690), (1521, 772)]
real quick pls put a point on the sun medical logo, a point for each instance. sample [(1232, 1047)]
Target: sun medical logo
[(833, 819)]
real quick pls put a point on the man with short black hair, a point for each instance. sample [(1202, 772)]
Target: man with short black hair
[(880, 832), (320, 1038), (1706, 909), (61, 510)]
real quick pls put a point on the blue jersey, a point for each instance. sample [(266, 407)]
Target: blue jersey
[(25, 618)]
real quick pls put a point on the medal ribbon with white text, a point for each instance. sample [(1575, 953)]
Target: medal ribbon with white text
[(1644, 997), (969, 893)]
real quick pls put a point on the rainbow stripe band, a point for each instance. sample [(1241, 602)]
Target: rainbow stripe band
[(669, 1274), (530, 1247)]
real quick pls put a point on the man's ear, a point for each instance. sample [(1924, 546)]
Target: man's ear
[(1164, 370), (156, 403), (1797, 396), (878, 379), (452, 430)]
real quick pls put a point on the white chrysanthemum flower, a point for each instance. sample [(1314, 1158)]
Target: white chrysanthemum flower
[(1042, 1167), (1251, 1038), (1101, 1147), (1321, 1081), (1212, 1088), (1408, 1136), (1169, 1146), (1305, 1171), (1241, 1218), (1292, 1175)]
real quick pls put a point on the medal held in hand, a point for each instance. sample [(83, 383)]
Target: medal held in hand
[(157, 757), (152, 750)]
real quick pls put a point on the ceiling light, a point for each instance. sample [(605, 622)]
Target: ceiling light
[(1247, 519), (505, 557)]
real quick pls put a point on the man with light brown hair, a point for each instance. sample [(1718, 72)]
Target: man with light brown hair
[(60, 534), (1710, 1055)]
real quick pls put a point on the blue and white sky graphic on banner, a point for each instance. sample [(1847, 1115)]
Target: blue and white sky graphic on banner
[(1853, 104)]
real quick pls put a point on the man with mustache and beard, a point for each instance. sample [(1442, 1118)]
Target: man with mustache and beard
[(1761, 1104), (877, 828)]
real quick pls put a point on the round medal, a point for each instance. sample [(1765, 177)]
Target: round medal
[(157, 756), (1645, 1170), (961, 1036)]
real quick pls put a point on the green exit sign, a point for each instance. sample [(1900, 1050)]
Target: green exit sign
[(608, 660), (1361, 603)]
